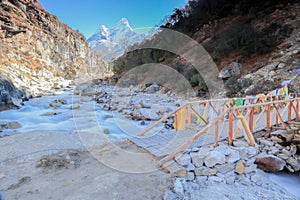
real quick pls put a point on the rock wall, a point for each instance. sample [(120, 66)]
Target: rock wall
[(37, 51)]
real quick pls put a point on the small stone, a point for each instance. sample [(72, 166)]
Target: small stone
[(75, 107), (281, 66), (106, 131), (294, 163), (272, 73), (50, 114), (286, 152), (293, 149), (213, 158), (62, 101), (13, 125), (72, 162), (289, 168), (283, 156), (240, 167)]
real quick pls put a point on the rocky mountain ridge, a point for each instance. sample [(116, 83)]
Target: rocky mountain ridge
[(38, 52)]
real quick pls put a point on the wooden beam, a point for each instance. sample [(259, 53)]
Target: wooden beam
[(199, 115), (251, 118), (268, 116)]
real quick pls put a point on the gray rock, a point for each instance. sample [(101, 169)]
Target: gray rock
[(13, 125), (224, 149), (240, 143), (205, 171), (283, 156), (169, 195), (230, 180), (190, 176), (152, 88), (294, 163), (201, 179), (232, 69), (251, 168), (196, 160), (286, 152), (266, 143), (213, 158), (252, 151), (281, 66), (175, 169), (203, 152), (234, 156), (215, 179), (225, 168), (183, 159), (293, 149), (178, 188)]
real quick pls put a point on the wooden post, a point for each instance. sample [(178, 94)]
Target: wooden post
[(230, 128), (290, 111), (216, 134), (268, 116), (251, 119)]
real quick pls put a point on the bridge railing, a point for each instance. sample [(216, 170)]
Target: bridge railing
[(237, 116)]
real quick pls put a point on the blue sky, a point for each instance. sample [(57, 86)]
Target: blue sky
[(88, 15)]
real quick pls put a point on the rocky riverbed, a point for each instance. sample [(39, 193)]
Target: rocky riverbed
[(46, 151)]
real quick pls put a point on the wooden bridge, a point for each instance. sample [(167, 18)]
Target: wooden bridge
[(210, 121)]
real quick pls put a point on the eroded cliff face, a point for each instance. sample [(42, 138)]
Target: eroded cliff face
[(37, 51)]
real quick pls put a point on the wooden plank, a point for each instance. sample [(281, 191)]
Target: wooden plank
[(251, 119)]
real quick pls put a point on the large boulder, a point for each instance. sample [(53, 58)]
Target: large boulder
[(269, 163), (232, 69)]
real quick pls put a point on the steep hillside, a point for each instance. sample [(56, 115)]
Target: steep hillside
[(37, 51), (254, 34)]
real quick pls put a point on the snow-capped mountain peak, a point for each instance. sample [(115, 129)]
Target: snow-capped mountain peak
[(112, 42)]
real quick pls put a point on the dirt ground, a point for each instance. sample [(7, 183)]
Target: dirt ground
[(28, 171)]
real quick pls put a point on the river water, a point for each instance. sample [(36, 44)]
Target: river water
[(31, 117)]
